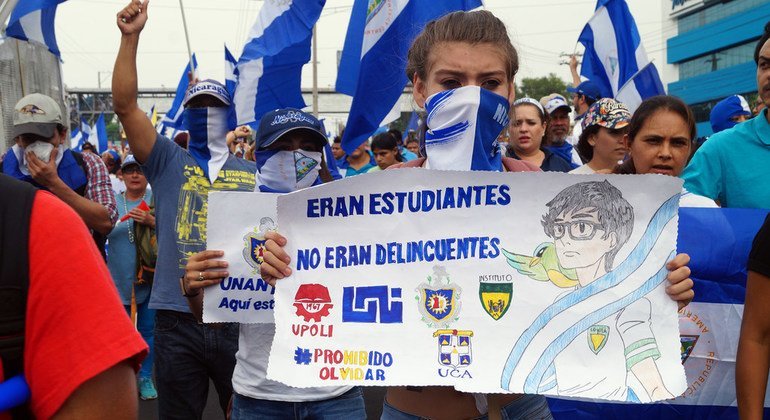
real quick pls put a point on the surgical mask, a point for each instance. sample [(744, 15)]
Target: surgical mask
[(463, 125), (287, 170), (208, 143)]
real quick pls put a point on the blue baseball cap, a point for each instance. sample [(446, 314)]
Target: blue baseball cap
[(586, 88), (276, 123), (726, 109)]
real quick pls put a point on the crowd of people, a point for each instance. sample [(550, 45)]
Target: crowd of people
[(144, 209)]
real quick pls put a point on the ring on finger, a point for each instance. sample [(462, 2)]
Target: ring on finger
[(200, 276)]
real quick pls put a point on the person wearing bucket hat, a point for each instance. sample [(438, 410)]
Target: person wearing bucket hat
[(41, 158), (601, 142), (188, 355)]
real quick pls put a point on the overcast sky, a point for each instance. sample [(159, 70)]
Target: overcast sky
[(89, 39)]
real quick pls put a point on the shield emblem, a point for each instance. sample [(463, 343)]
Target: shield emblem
[(439, 303), (688, 344), (257, 250), (454, 347), (496, 298), (254, 249), (597, 337)]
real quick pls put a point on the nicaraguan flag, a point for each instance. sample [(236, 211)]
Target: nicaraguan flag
[(174, 117), (718, 242), (33, 20), (230, 77), (614, 58), (80, 136), (371, 70), (98, 136), (270, 68)]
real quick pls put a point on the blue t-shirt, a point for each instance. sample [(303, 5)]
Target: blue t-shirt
[(733, 166), (121, 253), (181, 198)]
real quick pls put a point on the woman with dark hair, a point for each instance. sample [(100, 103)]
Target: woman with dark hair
[(660, 140), (601, 143), (386, 151), (526, 142)]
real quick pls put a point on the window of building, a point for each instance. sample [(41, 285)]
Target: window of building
[(714, 13), (717, 60)]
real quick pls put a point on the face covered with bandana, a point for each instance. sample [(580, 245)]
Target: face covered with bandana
[(290, 151), (467, 94), (207, 114)]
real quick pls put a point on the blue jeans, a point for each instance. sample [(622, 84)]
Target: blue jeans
[(145, 323), (525, 408), (187, 355), (349, 405)]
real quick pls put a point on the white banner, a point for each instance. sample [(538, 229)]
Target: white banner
[(237, 223), (490, 282)]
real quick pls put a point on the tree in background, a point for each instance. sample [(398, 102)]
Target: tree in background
[(537, 87)]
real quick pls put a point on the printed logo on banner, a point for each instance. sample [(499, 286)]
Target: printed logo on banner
[(698, 340), (363, 304), (597, 337), (496, 297), (688, 343), (454, 352), (312, 302), (254, 244), (439, 299)]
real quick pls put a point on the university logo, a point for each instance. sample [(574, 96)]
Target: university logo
[(597, 337), (366, 303), (303, 165), (312, 302), (496, 298), (254, 244), (688, 343), (454, 347), (439, 299)]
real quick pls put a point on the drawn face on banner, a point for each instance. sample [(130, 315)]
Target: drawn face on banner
[(452, 65), (581, 240)]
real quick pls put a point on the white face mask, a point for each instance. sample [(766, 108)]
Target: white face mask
[(287, 170), (41, 149)]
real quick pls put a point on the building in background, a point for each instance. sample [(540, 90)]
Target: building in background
[(710, 51)]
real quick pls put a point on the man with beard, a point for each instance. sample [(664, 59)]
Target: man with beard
[(732, 166), (557, 130)]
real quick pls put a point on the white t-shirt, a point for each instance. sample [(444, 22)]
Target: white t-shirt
[(583, 170), (249, 376), (117, 184)]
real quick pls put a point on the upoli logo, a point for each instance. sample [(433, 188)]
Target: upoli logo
[(312, 302), (254, 244), (439, 299), (31, 109)]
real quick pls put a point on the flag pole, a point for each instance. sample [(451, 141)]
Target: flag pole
[(6, 8), (187, 38), (315, 73)]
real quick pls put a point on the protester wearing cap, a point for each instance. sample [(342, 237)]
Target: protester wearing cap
[(583, 96), (41, 158), (122, 261), (289, 156), (111, 160), (187, 354), (602, 143), (731, 167), (557, 131), (527, 129), (728, 112)]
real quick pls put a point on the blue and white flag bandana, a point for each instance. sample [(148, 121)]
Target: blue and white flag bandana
[(208, 143), (15, 165), (463, 125), (287, 170)]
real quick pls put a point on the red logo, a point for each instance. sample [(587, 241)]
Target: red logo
[(312, 302)]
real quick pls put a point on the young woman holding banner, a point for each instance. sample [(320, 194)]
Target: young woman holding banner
[(465, 61)]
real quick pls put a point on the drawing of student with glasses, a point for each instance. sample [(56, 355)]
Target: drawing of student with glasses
[(589, 223)]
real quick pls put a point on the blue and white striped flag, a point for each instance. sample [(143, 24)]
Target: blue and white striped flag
[(33, 20), (371, 70), (80, 136), (614, 58), (98, 136), (718, 242), (270, 68), (174, 117)]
